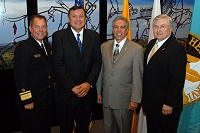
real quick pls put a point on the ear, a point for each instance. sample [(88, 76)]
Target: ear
[(68, 20), (127, 31), (29, 28)]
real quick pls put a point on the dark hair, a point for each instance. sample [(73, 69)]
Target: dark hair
[(75, 8), (37, 16)]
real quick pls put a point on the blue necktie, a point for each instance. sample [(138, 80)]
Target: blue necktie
[(79, 42)]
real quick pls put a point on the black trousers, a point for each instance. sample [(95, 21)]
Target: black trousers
[(163, 123), (35, 121), (70, 114)]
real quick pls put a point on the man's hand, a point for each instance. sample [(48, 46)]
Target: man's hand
[(167, 110), (76, 89), (29, 106), (99, 99), (133, 106), (82, 89)]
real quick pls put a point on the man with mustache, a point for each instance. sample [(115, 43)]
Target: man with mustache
[(119, 86)]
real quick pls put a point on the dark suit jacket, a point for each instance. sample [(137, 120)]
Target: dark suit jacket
[(73, 67), (33, 72), (164, 76)]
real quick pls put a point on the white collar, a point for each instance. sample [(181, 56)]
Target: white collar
[(39, 42), (161, 42), (75, 33), (121, 44)]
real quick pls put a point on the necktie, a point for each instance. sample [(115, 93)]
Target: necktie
[(79, 41), (43, 49), (116, 52), (155, 48)]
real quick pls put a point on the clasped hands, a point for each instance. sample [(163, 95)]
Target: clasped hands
[(82, 89)]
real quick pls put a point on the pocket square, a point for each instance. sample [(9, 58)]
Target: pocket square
[(37, 55)]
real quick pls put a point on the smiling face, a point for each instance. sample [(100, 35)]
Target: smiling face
[(77, 19), (38, 29), (120, 30), (161, 29)]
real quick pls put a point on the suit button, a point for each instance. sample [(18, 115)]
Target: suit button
[(49, 86), (110, 85), (49, 77)]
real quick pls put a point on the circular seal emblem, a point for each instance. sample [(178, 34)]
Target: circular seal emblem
[(191, 91)]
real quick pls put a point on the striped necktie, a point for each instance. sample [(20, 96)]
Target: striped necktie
[(116, 52), (79, 41)]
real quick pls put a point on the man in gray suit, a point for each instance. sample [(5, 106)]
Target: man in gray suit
[(119, 85)]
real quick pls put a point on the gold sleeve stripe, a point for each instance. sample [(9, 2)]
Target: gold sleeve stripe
[(25, 92), (25, 95)]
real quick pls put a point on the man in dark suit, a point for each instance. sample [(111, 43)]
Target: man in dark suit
[(119, 85), (163, 79), (34, 77), (77, 63)]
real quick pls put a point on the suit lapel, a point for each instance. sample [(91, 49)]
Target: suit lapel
[(72, 39), (160, 50), (48, 49), (124, 49), (148, 49), (110, 48), (38, 49), (85, 41)]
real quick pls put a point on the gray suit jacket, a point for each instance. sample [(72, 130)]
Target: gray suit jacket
[(121, 82)]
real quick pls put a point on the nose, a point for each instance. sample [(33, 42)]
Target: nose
[(158, 29), (40, 28), (119, 29), (78, 18)]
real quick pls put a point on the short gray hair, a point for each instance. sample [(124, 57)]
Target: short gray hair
[(120, 18), (161, 16), (37, 16)]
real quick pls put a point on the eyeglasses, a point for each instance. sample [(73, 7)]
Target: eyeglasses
[(162, 27)]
